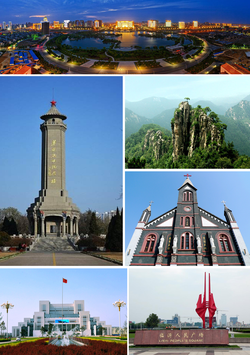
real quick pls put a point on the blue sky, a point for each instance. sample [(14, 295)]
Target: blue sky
[(93, 106), (162, 188), (171, 292), (20, 11), (203, 87), (99, 288)]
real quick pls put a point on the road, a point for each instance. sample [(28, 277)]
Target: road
[(63, 258)]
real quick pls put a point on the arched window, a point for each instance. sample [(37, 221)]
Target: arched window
[(224, 243), (187, 241), (150, 244), (53, 121), (187, 222)]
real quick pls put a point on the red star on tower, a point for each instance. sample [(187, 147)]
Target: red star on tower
[(53, 103)]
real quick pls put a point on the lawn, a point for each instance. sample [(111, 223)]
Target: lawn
[(5, 254), (112, 256)]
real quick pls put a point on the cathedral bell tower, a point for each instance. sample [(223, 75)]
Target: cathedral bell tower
[(53, 213)]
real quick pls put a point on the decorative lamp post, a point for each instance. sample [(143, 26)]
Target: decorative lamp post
[(7, 306), (119, 304)]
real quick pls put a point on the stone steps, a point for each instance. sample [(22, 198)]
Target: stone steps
[(52, 244)]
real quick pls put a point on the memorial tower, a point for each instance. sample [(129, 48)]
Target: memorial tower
[(53, 213)]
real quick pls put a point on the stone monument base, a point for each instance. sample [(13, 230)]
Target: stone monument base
[(182, 337)]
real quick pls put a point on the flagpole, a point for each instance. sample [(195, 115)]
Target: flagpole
[(62, 306)]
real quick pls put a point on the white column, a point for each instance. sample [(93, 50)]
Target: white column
[(35, 225), (71, 226), (64, 227), (77, 231), (42, 225)]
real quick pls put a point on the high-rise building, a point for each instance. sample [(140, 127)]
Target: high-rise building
[(4, 25), (181, 25), (37, 26), (89, 23), (97, 23), (152, 23), (66, 23), (168, 23), (223, 319), (66, 317), (45, 26), (10, 25), (53, 213), (233, 320), (56, 25), (195, 24)]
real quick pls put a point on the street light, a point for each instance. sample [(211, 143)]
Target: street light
[(7, 306), (119, 304)]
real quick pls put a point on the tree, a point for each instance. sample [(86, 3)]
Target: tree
[(114, 235), (51, 328), (82, 329), (152, 321), (186, 98), (43, 331), (23, 332), (2, 326), (93, 229)]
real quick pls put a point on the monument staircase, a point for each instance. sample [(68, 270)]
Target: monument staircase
[(52, 244)]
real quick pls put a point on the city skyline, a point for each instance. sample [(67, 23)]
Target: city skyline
[(181, 10), (99, 288), (171, 292), (93, 107)]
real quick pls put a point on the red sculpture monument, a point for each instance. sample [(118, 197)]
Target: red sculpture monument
[(202, 306)]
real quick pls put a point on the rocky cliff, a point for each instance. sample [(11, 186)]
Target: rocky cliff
[(192, 129), (155, 140)]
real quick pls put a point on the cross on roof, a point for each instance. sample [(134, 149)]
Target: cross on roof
[(150, 203), (224, 202), (187, 175)]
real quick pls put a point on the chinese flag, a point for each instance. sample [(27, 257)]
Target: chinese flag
[(65, 281)]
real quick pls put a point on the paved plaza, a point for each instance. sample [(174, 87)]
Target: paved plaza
[(60, 258)]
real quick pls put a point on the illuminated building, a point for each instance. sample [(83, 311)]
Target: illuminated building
[(97, 23), (4, 25), (56, 24), (152, 23), (195, 24), (37, 26), (10, 25), (168, 23), (233, 69), (182, 25), (66, 23), (227, 25), (66, 317), (125, 24), (89, 23), (45, 26)]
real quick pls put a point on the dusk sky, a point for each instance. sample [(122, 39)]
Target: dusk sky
[(169, 291), (93, 106), (162, 188), (21, 11), (99, 288)]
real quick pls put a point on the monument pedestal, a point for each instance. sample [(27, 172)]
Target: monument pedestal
[(182, 337)]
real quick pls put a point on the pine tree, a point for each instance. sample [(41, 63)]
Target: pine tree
[(114, 235)]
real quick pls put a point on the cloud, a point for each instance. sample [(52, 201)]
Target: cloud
[(91, 16), (39, 15)]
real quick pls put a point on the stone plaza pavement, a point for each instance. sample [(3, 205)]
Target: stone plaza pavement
[(56, 258), (245, 350)]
